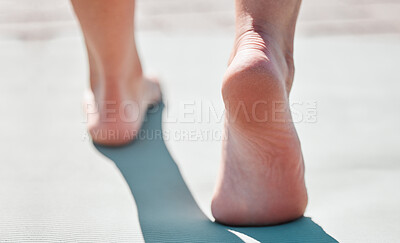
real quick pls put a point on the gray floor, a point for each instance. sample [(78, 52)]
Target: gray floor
[(55, 185)]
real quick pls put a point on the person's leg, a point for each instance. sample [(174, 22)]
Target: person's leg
[(116, 78), (261, 180)]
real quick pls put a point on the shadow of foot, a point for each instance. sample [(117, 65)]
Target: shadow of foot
[(166, 208)]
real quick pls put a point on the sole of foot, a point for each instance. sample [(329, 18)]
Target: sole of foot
[(114, 116), (261, 180)]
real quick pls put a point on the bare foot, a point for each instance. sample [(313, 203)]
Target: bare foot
[(120, 95), (261, 180), (115, 114)]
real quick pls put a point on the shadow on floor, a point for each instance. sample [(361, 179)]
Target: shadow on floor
[(167, 210)]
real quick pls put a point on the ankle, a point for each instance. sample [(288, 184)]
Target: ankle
[(259, 52), (115, 71), (267, 31), (113, 82), (274, 18), (265, 38)]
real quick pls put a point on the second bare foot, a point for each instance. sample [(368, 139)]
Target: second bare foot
[(115, 114)]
